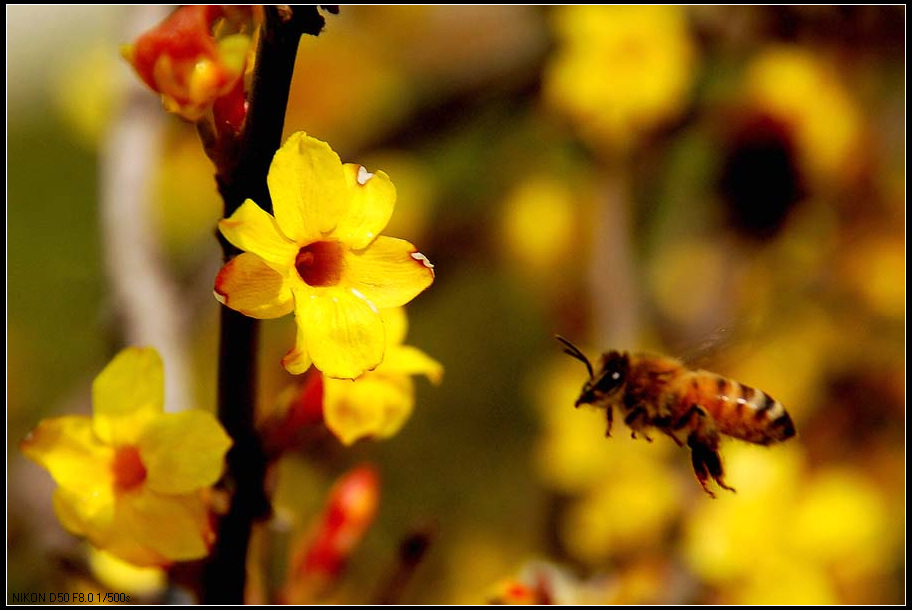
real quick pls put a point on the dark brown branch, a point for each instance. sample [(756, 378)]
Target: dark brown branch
[(241, 174)]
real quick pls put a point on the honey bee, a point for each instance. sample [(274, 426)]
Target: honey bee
[(690, 406)]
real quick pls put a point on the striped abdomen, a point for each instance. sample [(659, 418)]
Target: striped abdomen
[(738, 410)]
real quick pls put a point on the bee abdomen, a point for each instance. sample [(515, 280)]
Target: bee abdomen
[(749, 414)]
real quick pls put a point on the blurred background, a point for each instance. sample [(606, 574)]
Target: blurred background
[(720, 184)]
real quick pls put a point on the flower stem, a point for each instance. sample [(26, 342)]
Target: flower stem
[(612, 273), (241, 174)]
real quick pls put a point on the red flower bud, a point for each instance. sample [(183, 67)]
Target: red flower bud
[(184, 61), (318, 559)]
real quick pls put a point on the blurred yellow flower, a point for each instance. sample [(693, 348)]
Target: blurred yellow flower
[(629, 509), (803, 92), (875, 269), (540, 225), (813, 533), (620, 71), (321, 256), (725, 537), (842, 521), (131, 477), (378, 403), (87, 90)]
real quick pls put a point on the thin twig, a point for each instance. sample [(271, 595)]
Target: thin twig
[(412, 551), (241, 177)]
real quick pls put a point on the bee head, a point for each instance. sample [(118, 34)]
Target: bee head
[(611, 376), (609, 380)]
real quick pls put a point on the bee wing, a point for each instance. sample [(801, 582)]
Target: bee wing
[(708, 349), (713, 350)]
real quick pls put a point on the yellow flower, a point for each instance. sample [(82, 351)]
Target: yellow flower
[(620, 71), (131, 477), (540, 226), (380, 401), (321, 256), (806, 93), (630, 510), (820, 535)]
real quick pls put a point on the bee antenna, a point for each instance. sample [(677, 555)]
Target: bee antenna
[(572, 350)]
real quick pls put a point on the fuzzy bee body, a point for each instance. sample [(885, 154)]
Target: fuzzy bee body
[(693, 407)]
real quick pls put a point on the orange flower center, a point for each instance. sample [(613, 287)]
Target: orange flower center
[(129, 471), (320, 263)]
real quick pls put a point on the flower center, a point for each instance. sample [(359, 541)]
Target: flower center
[(129, 471), (320, 263)]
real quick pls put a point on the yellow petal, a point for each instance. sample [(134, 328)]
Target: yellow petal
[(66, 510), (254, 230), (176, 527), (69, 449), (183, 451), (396, 324), (132, 551), (389, 273), (408, 360), (127, 394), (119, 575), (133, 381), (371, 406), (308, 188), (98, 517), (372, 199), (83, 512), (248, 285), (344, 332), (297, 360)]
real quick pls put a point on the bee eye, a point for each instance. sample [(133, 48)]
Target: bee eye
[(609, 381)]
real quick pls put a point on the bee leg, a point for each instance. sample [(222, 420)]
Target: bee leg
[(694, 411), (664, 425), (702, 472), (674, 438), (704, 453), (609, 417), (636, 421), (633, 420)]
